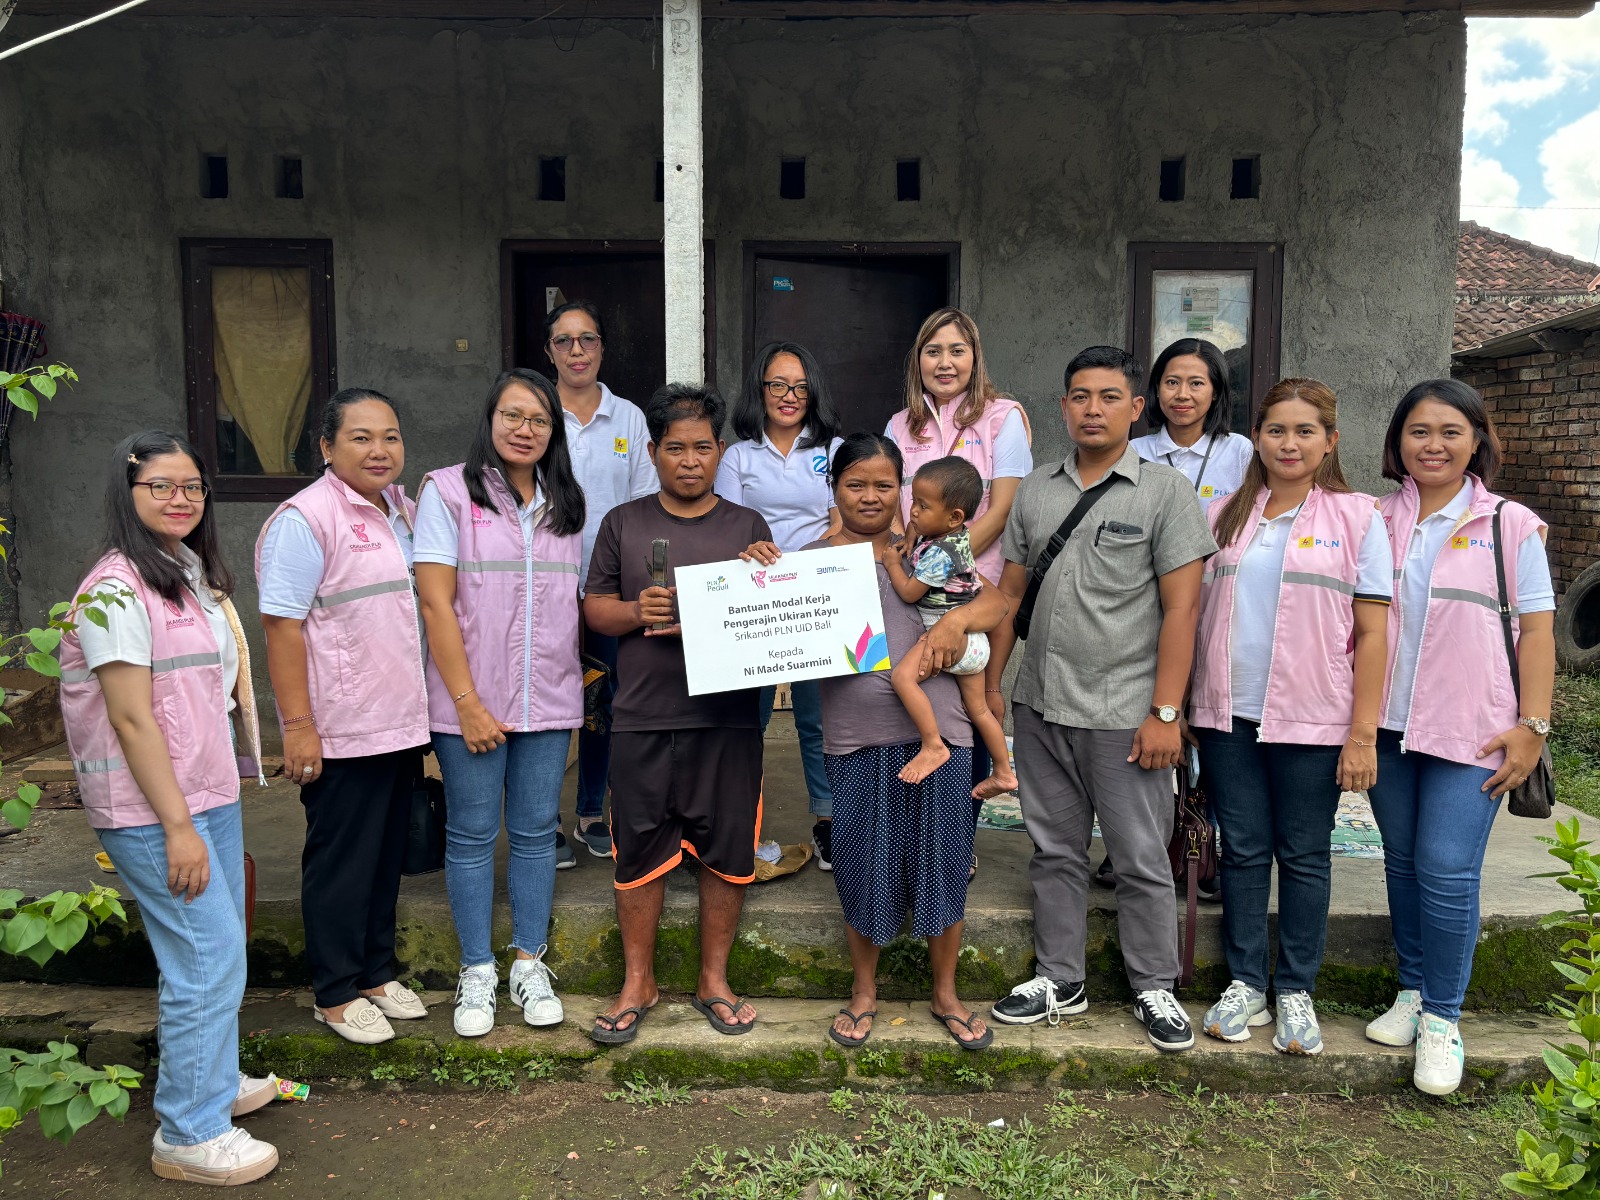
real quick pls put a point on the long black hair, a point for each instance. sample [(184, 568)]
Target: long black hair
[(1219, 417), (564, 497), (333, 413), (141, 545), (750, 411), (860, 446), (1466, 401)]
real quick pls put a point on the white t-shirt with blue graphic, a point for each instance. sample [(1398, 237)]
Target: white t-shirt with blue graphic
[(790, 490)]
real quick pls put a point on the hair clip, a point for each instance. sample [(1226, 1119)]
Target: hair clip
[(134, 459)]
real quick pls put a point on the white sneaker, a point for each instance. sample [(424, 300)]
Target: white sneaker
[(530, 987), (225, 1161), (362, 1024), (475, 1000), (1398, 1026), (399, 1003), (1440, 1056), (254, 1093)]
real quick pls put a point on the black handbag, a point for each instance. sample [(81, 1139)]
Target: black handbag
[(596, 693), (425, 834), (1534, 796)]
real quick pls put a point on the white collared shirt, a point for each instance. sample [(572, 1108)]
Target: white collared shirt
[(611, 459), (790, 490), (1535, 592), (1230, 459)]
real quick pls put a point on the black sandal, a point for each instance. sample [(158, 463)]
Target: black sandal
[(613, 1036), (851, 1042), (730, 1028), (977, 1043)]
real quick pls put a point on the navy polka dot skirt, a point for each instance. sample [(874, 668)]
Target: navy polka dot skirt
[(898, 848)]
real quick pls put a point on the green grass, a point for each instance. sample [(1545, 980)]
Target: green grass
[(1575, 741)]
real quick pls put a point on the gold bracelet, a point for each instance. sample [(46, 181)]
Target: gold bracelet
[(287, 721), (1355, 742), (464, 695)]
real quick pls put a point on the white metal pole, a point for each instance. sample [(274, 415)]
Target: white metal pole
[(683, 198)]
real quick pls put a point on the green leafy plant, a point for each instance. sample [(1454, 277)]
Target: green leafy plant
[(1561, 1159), (641, 1091)]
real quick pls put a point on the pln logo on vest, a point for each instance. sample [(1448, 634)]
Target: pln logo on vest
[(364, 542), (1471, 543), (177, 618), (1309, 543)]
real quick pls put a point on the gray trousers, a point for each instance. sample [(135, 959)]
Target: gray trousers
[(1067, 777)]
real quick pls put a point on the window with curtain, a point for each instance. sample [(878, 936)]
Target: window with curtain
[(259, 338)]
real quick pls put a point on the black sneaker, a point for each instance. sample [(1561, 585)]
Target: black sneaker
[(1039, 998), (822, 843), (565, 858), (1165, 1023), (1105, 874)]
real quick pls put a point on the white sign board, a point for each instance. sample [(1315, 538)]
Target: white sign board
[(811, 615)]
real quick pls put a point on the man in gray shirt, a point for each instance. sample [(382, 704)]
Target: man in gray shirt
[(1097, 701)]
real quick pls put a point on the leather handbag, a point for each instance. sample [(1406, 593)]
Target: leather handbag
[(596, 690), (1193, 854), (425, 833), (1534, 796)]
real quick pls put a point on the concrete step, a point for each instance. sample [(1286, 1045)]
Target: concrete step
[(788, 1050), (792, 942)]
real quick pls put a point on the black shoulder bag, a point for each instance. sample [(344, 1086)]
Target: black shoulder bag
[(1533, 797), (1056, 544)]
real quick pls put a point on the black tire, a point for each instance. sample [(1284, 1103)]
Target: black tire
[(1578, 623)]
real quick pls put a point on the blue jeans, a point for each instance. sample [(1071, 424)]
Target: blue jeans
[(526, 771), (199, 948), (594, 749), (1275, 802), (808, 724), (1435, 822)]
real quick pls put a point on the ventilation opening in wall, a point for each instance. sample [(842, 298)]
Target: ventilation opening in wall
[(1174, 172), (908, 179), (214, 176), (553, 177), (291, 182), (1247, 178), (792, 179), (661, 180)]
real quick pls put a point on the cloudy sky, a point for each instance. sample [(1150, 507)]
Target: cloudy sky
[(1531, 163)]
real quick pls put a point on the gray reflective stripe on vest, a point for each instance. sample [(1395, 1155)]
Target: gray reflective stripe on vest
[(1315, 580), (1221, 572), (519, 565), (82, 676), (1490, 602), (361, 593), (210, 659), (96, 766)]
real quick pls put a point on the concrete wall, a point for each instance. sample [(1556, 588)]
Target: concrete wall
[(1040, 140)]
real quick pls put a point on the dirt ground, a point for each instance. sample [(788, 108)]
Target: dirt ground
[(559, 1140)]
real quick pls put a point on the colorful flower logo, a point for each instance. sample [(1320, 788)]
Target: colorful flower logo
[(871, 652)]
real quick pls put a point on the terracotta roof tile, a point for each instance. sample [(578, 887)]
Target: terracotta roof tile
[(1504, 284)]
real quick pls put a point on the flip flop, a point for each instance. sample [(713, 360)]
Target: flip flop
[(976, 1043), (619, 1037), (705, 1009), (855, 1020)]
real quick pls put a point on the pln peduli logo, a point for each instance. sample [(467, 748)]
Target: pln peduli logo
[(719, 584), (871, 652)]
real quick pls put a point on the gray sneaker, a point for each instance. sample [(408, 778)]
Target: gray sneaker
[(1240, 1009), (594, 837), (1298, 1031), (565, 858)]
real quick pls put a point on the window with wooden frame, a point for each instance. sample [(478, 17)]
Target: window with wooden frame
[(1226, 293), (259, 353)]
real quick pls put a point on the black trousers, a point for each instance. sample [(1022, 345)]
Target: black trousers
[(357, 813)]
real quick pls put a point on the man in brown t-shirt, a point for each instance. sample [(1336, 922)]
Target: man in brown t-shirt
[(685, 770)]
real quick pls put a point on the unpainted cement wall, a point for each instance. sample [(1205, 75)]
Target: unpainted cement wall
[(1040, 139)]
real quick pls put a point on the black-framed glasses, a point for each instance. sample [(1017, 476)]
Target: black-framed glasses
[(514, 421), (165, 489), (778, 389), (563, 342)]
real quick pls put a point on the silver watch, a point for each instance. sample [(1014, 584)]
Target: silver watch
[(1166, 714), (1539, 725)]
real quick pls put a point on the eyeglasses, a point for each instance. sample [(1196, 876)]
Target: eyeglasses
[(513, 421), (163, 489), (778, 389), (563, 342)]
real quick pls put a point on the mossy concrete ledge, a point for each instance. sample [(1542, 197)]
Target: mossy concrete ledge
[(789, 1049)]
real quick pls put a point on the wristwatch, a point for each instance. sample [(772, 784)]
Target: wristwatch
[(1166, 714), (1539, 725)]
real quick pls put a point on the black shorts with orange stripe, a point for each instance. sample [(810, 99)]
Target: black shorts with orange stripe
[(688, 789)]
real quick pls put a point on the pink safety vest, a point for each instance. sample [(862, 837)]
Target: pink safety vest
[(1465, 696), (1311, 679), (974, 443), (363, 635), (517, 605), (187, 701)]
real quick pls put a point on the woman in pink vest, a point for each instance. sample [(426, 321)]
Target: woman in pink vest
[(1460, 728), (344, 647), (155, 693), (953, 408), (1288, 672), (499, 539)]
